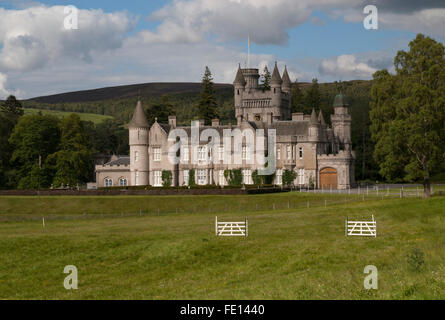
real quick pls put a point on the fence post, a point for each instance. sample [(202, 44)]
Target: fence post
[(401, 193), (247, 227), (367, 190), (43, 220), (346, 227), (377, 191), (216, 225), (288, 205)]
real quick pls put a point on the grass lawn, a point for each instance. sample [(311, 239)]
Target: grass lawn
[(96, 118), (295, 253)]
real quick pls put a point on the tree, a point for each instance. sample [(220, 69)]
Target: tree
[(312, 98), (161, 110), (73, 162), (207, 103), (265, 79), (34, 139), (12, 106), (288, 177), (408, 113), (297, 98), (166, 178)]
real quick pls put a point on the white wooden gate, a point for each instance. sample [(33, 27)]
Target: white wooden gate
[(231, 229), (361, 228)]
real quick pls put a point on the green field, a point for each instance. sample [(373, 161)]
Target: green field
[(292, 252), (96, 118)]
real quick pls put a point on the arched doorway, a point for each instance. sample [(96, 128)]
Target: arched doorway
[(328, 178)]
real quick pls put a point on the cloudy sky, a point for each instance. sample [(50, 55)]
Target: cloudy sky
[(138, 41)]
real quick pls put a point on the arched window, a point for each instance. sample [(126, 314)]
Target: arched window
[(123, 182), (108, 182), (136, 156)]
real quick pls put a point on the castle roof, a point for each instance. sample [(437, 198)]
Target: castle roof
[(139, 119), (276, 78), (120, 161), (286, 79), (340, 100), (239, 79)]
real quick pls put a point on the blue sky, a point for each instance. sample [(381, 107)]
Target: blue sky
[(140, 41)]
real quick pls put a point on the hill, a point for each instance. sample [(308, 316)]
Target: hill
[(95, 118), (126, 91)]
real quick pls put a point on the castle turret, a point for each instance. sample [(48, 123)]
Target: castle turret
[(139, 161), (286, 81), (314, 127), (341, 121), (275, 85), (239, 84)]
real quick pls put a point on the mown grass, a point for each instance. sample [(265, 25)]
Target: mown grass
[(96, 118), (289, 254)]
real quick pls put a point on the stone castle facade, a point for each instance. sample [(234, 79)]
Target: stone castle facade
[(321, 156)]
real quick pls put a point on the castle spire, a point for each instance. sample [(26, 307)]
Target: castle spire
[(286, 79), (314, 119), (276, 78), (321, 119), (139, 119), (239, 79)]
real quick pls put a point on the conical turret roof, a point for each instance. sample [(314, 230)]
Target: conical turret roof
[(314, 119), (276, 78), (321, 119), (139, 119), (286, 79), (239, 79)]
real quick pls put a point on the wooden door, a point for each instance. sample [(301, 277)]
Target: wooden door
[(328, 178)]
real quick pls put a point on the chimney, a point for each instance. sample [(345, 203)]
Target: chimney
[(297, 116), (215, 123), (172, 121)]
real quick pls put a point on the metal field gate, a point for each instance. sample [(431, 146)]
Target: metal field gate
[(361, 228), (231, 229)]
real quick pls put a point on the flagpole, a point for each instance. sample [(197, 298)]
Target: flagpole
[(248, 52)]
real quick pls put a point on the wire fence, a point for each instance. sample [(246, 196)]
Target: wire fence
[(343, 197)]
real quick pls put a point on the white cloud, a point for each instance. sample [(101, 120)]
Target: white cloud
[(265, 21), (35, 36), (346, 66)]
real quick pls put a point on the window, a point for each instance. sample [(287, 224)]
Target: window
[(108, 182), (278, 153), (222, 179), (279, 176), (289, 152), (186, 177), (202, 153), (202, 177), (247, 176), (301, 176), (123, 182), (136, 156), (300, 151), (136, 178), (157, 154), (185, 154), (246, 153), (220, 153), (157, 179)]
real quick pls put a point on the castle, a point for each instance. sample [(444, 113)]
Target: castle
[(321, 156)]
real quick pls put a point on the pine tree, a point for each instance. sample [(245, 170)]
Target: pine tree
[(12, 106), (207, 103), (265, 79), (312, 98), (297, 98)]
